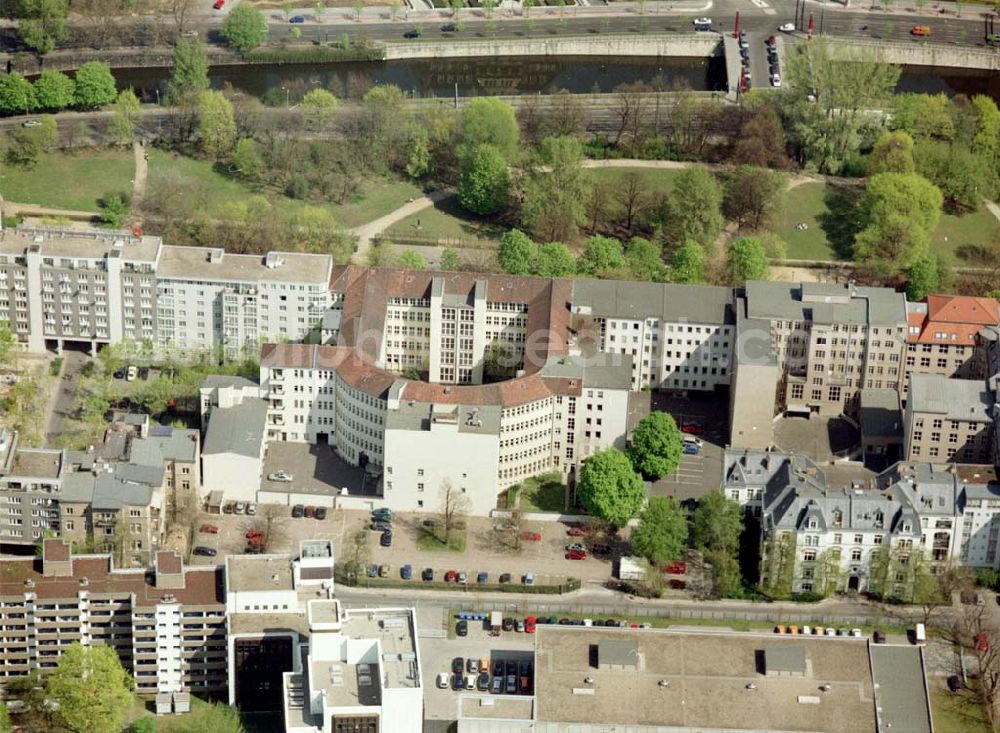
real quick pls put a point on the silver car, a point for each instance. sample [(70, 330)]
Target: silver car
[(280, 476)]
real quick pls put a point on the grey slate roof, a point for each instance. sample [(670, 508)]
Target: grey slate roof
[(178, 444), (599, 371), (224, 380), (638, 300), (955, 399), (825, 303), (238, 429)]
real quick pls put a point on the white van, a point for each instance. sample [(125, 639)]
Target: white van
[(920, 635), (691, 440)]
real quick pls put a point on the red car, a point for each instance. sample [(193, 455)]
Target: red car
[(532, 536), (209, 529), (981, 643), (576, 555), (529, 624), (676, 568), (310, 511), (575, 532), (693, 428), (450, 577), (252, 535), (218, 4)]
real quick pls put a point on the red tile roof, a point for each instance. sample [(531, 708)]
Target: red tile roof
[(203, 586), (953, 319)]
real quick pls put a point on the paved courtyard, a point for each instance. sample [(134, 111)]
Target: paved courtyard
[(697, 474)]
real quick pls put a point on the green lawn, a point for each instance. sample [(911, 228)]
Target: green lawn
[(377, 198), (447, 220), (545, 493), (827, 210), (955, 712), (70, 181), (429, 540), (653, 179)]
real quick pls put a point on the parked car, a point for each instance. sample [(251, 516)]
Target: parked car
[(119, 373), (921, 30), (702, 21), (462, 628), (239, 508), (381, 526), (576, 555), (373, 570), (529, 625), (690, 439), (508, 623), (427, 574), (677, 584), (219, 4), (511, 686), (227, 508), (451, 576), (462, 577), (406, 572), (575, 532), (954, 683), (484, 665), (31, 123), (576, 546), (531, 536), (386, 539), (528, 579), (310, 512), (205, 551), (383, 571), (251, 508), (320, 512), (382, 515), (209, 529), (497, 686), (504, 577), (690, 449), (771, 41), (498, 667), (457, 682), (676, 568), (519, 625), (131, 373), (982, 644), (280, 476), (297, 511), (412, 33), (254, 534), (879, 637), (297, 19), (694, 428), (457, 665), (483, 682), (856, 633), (472, 665), (787, 27), (483, 577), (442, 680), (776, 80)]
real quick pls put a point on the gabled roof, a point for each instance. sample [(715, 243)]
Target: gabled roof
[(952, 319)]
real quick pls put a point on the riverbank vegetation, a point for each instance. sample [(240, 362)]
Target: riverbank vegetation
[(826, 170)]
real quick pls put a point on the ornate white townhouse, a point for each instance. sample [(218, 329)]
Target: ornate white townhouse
[(941, 512), (95, 287)]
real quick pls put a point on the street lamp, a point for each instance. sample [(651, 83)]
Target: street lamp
[(287, 102)]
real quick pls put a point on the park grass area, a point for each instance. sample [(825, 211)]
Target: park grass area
[(377, 197), (432, 539), (545, 493), (654, 180), (446, 222), (70, 180), (955, 712), (827, 212)]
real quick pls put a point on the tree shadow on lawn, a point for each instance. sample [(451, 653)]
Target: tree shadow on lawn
[(472, 225), (840, 220), (546, 493)]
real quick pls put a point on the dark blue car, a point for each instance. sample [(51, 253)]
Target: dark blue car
[(297, 19), (406, 572)]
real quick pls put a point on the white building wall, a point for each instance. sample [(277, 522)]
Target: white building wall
[(168, 648), (419, 462), (602, 421), (526, 441)]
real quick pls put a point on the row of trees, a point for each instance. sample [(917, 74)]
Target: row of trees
[(91, 87)]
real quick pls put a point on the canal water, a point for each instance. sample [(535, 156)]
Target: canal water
[(502, 76)]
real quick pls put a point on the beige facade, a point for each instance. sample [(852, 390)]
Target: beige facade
[(948, 420)]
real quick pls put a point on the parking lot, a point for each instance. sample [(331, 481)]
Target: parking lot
[(697, 474), (438, 655)]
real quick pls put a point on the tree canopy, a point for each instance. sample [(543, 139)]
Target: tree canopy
[(485, 184), (555, 191), (516, 252), (893, 153), (189, 75), (655, 449), (42, 23), (662, 534), (244, 28), (554, 260), (643, 259), (17, 95), (693, 210), (217, 124), (92, 688), (95, 86), (717, 523), (54, 91), (688, 264), (602, 256), (746, 259), (491, 121), (609, 488), (753, 197)]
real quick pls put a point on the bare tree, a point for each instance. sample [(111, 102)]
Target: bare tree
[(357, 552), (631, 195), (454, 506), (179, 10), (979, 630), (266, 522)]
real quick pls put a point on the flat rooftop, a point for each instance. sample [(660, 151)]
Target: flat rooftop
[(496, 707), (707, 675), (394, 628), (36, 463), (81, 243), (193, 263), (254, 573)]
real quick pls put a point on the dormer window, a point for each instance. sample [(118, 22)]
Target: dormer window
[(879, 519), (838, 518), (907, 527), (811, 524)]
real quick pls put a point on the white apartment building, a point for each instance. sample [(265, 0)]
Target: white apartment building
[(95, 287), (680, 337)]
